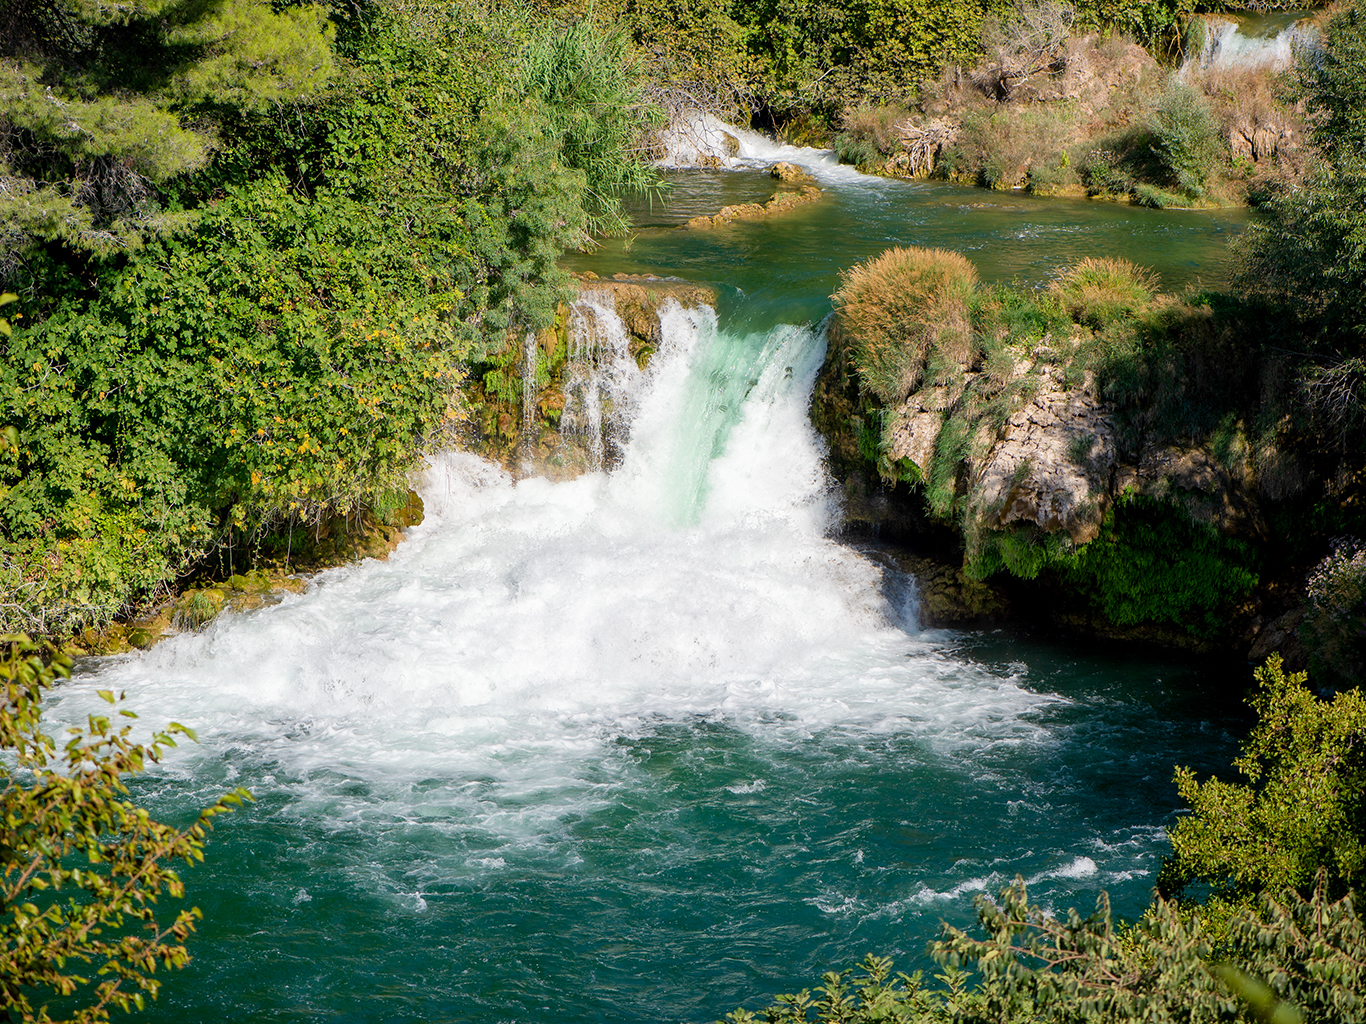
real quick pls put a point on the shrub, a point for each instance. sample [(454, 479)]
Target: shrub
[(1302, 809), (1335, 626), (1033, 965), (899, 309), (868, 133), (1097, 292), (595, 103), (1186, 138), (82, 865)]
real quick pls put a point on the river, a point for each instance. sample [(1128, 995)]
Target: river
[(644, 745)]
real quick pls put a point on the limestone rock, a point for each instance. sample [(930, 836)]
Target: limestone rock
[(785, 171), (780, 203), (913, 433), (639, 296), (1051, 465)]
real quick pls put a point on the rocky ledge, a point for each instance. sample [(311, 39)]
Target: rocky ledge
[(782, 202), (1036, 449)]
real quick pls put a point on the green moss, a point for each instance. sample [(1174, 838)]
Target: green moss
[(1153, 563)]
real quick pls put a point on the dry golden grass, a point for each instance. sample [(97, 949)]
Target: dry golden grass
[(901, 309)]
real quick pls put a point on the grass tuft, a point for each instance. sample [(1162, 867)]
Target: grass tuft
[(903, 310)]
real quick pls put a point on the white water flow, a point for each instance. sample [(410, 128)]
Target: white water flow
[(697, 139), (601, 380), (488, 668), (1231, 45)]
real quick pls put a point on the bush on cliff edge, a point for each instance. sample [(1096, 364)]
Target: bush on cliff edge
[(903, 312)]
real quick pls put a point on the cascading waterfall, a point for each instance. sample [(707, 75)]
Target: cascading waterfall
[(698, 139), (1230, 44), (627, 747), (601, 377), (528, 383)]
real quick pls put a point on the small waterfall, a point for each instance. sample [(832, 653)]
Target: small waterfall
[(697, 139), (528, 385), (1243, 44), (601, 379)]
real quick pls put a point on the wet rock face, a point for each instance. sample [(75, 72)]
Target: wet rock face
[(638, 298), (1053, 464)]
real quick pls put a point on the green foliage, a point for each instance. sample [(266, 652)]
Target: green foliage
[(1334, 628), (869, 135), (286, 360), (1287, 960), (102, 106), (1307, 258), (1152, 563), (1000, 147), (1149, 21), (871, 994), (1301, 810), (1023, 550), (1187, 139), (82, 867), (1098, 292), (696, 51), (1333, 88), (597, 112)]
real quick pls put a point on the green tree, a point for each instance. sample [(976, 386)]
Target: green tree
[(102, 105), (83, 867), (1301, 810)]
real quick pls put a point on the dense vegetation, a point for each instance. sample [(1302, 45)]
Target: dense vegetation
[(250, 285)]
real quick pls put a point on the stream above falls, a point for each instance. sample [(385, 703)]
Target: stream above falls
[(784, 268)]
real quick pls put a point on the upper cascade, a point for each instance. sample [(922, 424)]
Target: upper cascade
[(1247, 44), (698, 139)]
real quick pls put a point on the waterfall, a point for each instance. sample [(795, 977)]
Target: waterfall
[(528, 385), (1230, 44), (575, 733), (601, 378), (697, 139), (689, 580)]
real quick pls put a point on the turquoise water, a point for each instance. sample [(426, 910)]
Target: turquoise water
[(647, 745), (784, 269)]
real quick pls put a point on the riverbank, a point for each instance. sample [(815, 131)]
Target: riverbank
[(1096, 115)]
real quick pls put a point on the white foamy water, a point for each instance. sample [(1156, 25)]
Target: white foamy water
[(526, 626), (1227, 45), (697, 139)]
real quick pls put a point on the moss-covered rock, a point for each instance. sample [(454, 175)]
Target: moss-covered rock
[(782, 202), (1062, 448)]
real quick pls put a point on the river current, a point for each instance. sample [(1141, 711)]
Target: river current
[(646, 745)]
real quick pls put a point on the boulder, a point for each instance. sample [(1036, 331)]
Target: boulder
[(785, 171)]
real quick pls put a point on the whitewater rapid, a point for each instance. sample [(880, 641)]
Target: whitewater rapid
[(526, 626)]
